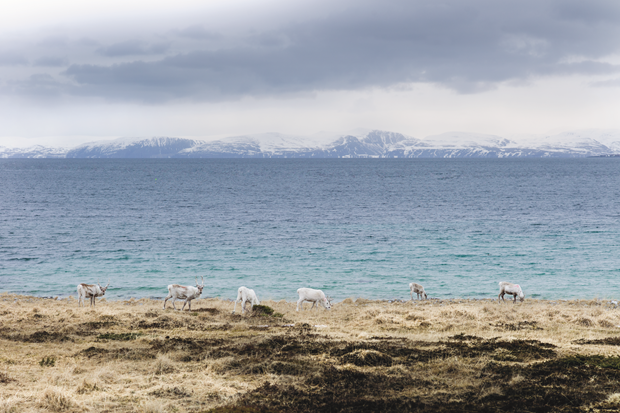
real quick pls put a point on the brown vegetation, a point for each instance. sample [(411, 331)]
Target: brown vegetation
[(362, 356)]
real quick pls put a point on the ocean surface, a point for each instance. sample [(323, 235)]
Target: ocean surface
[(352, 227)]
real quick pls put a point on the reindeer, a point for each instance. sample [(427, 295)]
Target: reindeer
[(187, 293), (313, 296), (91, 291)]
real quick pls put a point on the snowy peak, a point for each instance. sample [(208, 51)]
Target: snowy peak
[(463, 140), (36, 151), (572, 141), (157, 147)]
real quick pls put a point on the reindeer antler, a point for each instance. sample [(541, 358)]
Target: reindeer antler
[(203, 280), (108, 283)]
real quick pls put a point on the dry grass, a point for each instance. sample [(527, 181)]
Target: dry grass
[(363, 355)]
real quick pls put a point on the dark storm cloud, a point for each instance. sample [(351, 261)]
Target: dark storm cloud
[(468, 46)]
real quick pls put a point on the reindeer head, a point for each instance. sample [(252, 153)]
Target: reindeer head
[(103, 288), (200, 286), (520, 291), (327, 302)]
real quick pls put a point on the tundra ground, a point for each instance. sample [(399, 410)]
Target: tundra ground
[(362, 356)]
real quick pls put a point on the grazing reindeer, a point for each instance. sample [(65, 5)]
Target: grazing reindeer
[(313, 296), (510, 289), (91, 291), (245, 295), (187, 293), (419, 290)]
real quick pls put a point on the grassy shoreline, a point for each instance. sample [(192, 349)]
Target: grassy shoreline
[(363, 355)]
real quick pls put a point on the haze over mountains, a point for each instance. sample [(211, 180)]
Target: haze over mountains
[(356, 144)]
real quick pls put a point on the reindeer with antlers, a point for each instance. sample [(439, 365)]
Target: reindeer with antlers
[(187, 293), (91, 291)]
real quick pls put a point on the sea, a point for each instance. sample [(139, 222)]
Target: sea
[(351, 227)]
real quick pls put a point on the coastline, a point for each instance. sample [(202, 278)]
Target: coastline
[(367, 355)]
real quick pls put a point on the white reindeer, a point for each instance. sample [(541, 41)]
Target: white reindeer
[(187, 293), (313, 296), (245, 295), (91, 291), (510, 289), (418, 289)]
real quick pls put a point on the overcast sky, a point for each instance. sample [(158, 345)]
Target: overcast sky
[(76, 71)]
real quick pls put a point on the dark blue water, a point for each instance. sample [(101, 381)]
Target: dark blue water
[(352, 227)]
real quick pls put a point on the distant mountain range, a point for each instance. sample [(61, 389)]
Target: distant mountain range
[(358, 144)]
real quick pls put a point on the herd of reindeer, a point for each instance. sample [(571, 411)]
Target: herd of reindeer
[(247, 295)]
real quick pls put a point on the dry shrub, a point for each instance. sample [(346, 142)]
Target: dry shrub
[(368, 314), (491, 391), (414, 317), (221, 365), (163, 365), (10, 405), (87, 387), (516, 380), (56, 400), (614, 399), (5, 378), (105, 375), (605, 323), (584, 322), (596, 312), (367, 358), (447, 327), (551, 314), (385, 319), (489, 310), (153, 406), (348, 301)]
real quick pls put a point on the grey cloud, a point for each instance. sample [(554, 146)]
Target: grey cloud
[(197, 32), (51, 61), (132, 48), (607, 83), (40, 85), (468, 46), (53, 41), (12, 59)]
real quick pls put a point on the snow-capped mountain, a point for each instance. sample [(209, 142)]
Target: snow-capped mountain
[(355, 144), (251, 146), (159, 147), (36, 151)]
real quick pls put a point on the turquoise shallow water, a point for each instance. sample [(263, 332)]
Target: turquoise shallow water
[(352, 227)]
